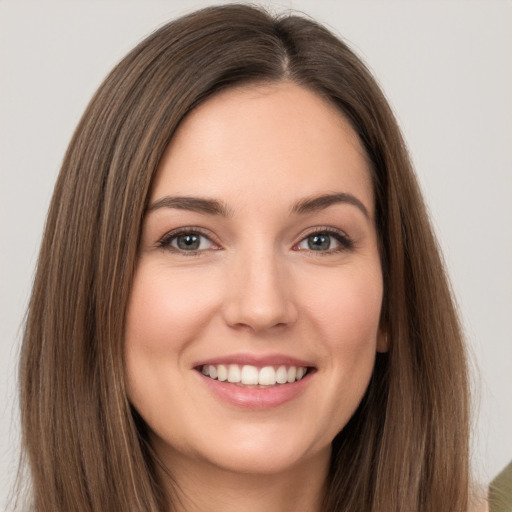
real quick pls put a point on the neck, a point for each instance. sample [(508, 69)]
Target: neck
[(201, 486)]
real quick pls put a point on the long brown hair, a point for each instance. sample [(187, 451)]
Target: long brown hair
[(406, 447)]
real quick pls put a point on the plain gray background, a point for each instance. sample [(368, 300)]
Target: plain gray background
[(446, 67)]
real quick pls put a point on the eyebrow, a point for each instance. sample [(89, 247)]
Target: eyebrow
[(215, 207), (316, 203), (194, 204)]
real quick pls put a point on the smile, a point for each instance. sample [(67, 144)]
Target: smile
[(256, 382), (249, 375)]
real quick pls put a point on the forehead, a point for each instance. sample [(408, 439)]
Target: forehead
[(278, 141)]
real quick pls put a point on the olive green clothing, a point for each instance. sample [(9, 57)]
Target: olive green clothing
[(500, 491)]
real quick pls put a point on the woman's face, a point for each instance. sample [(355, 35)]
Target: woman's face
[(258, 261)]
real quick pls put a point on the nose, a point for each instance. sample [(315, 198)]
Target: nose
[(259, 295)]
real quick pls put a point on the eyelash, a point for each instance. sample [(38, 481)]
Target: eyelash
[(166, 241), (345, 242)]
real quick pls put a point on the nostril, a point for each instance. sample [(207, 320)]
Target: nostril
[(249, 313)]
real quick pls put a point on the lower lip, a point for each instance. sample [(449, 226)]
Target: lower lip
[(256, 398)]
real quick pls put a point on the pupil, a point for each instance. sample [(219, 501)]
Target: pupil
[(188, 242), (319, 242)]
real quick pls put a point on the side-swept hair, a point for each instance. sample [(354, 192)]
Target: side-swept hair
[(406, 447)]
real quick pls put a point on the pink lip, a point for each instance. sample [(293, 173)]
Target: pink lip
[(256, 398), (255, 360)]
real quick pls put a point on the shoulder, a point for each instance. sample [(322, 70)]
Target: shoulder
[(500, 491)]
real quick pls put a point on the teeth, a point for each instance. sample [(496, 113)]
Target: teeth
[(281, 375), (212, 370), (222, 373), (252, 376), (267, 376), (249, 375), (233, 373)]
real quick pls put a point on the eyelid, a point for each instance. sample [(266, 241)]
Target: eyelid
[(341, 236), (165, 241)]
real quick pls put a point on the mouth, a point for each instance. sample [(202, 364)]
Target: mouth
[(256, 382), (251, 376)]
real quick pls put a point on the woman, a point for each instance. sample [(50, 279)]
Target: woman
[(239, 302)]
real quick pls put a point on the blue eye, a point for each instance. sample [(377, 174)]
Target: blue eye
[(325, 242), (186, 241), (319, 242)]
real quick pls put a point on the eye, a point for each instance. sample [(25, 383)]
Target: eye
[(325, 241), (190, 241)]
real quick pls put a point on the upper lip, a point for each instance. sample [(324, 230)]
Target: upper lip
[(258, 360)]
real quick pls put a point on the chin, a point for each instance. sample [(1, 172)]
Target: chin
[(262, 463), (266, 453)]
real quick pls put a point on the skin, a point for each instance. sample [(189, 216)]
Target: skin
[(256, 287)]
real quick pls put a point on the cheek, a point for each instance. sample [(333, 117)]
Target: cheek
[(166, 309), (346, 307), (345, 313), (353, 325), (165, 314)]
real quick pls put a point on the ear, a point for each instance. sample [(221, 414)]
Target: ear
[(382, 340)]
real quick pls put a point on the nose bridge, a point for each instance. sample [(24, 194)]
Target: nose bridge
[(259, 296)]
